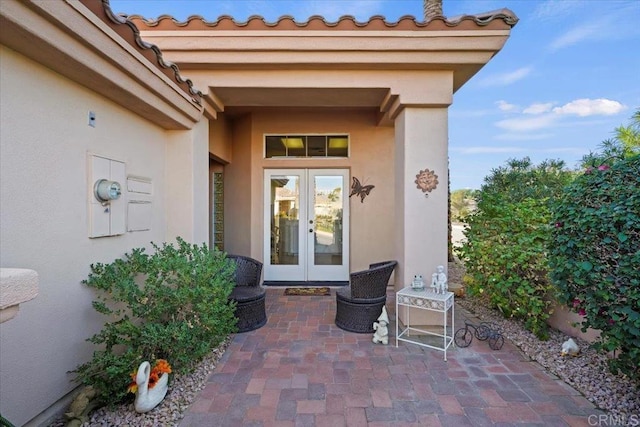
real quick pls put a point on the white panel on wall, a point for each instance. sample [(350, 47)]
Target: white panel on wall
[(106, 219), (137, 184), (139, 215), (139, 211), (99, 222), (118, 206)]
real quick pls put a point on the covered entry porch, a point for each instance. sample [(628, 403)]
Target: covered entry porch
[(385, 85)]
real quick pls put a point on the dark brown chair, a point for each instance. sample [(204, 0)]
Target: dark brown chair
[(248, 294), (359, 305)]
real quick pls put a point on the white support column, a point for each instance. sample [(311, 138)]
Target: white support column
[(421, 237)]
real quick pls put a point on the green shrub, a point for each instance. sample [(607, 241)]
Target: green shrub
[(507, 240), (171, 305), (595, 257)]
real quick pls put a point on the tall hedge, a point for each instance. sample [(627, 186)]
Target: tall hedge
[(595, 256), (507, 240)]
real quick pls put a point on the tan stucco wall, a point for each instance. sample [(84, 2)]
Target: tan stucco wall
[(238, 191), (371, 154), (421, 238), (220, 138), (187, 164), (44, 191), (421, 143)]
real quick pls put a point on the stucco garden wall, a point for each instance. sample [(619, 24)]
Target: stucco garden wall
[(45, 139), (569, 322)]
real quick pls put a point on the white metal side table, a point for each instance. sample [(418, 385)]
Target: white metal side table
[(425, 300)]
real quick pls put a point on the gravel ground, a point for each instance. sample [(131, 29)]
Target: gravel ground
[(587, 373)]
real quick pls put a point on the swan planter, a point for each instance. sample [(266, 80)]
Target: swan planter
[(151, 385)]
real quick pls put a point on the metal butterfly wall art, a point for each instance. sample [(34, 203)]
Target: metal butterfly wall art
[(359, 189)]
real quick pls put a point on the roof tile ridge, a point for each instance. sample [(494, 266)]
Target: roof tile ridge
[(154, 22), (150, 22), (485, 18), (118, 19), (481, 19)]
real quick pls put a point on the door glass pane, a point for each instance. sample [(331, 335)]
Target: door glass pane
[(327, 218), (285, 205)]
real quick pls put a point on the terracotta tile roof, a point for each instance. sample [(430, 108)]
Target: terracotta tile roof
[(498, 19), (130, 33)]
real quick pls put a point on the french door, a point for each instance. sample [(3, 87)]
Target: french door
[(306, 214)]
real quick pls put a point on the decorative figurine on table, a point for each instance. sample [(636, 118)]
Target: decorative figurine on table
[(381, 334), (439, 281), (418, 283)]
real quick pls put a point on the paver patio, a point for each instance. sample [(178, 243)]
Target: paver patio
[(302, 370)]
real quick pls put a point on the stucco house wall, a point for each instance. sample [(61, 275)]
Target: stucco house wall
[(187, 180), (220, 139), (45, 139), (238, 191), (387, 85)]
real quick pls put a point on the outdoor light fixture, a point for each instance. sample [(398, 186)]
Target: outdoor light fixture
[(292, 142)]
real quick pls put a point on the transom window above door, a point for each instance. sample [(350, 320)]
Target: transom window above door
[(306, 146)]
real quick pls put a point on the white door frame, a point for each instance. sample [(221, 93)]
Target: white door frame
[(305, 238)]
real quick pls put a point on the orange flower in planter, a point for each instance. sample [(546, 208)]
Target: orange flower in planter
[(161, 367), (133, 387)]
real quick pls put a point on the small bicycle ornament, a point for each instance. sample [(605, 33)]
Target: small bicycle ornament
[(484, 331)]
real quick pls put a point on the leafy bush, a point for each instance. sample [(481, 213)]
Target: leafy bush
[(462, 203), (507, 239), (171, 305), (595, 256)]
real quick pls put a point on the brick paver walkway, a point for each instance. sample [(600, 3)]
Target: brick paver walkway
[(302, 370)]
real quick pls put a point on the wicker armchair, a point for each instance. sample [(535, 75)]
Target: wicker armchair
[(248, 294), (360, 304)]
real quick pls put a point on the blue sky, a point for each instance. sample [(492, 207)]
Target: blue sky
[(566, 78)]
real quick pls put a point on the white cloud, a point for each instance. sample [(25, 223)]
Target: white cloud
[(470, 113), (576, 35), (540, 116), (554, 9), (505, 79), (525, 124), (522, 136), (487, 150), (590, 107), (577, 150), (515, 150), (505, 106), (538, 108)]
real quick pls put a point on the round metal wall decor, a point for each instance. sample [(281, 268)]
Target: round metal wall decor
[(426, 181)]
